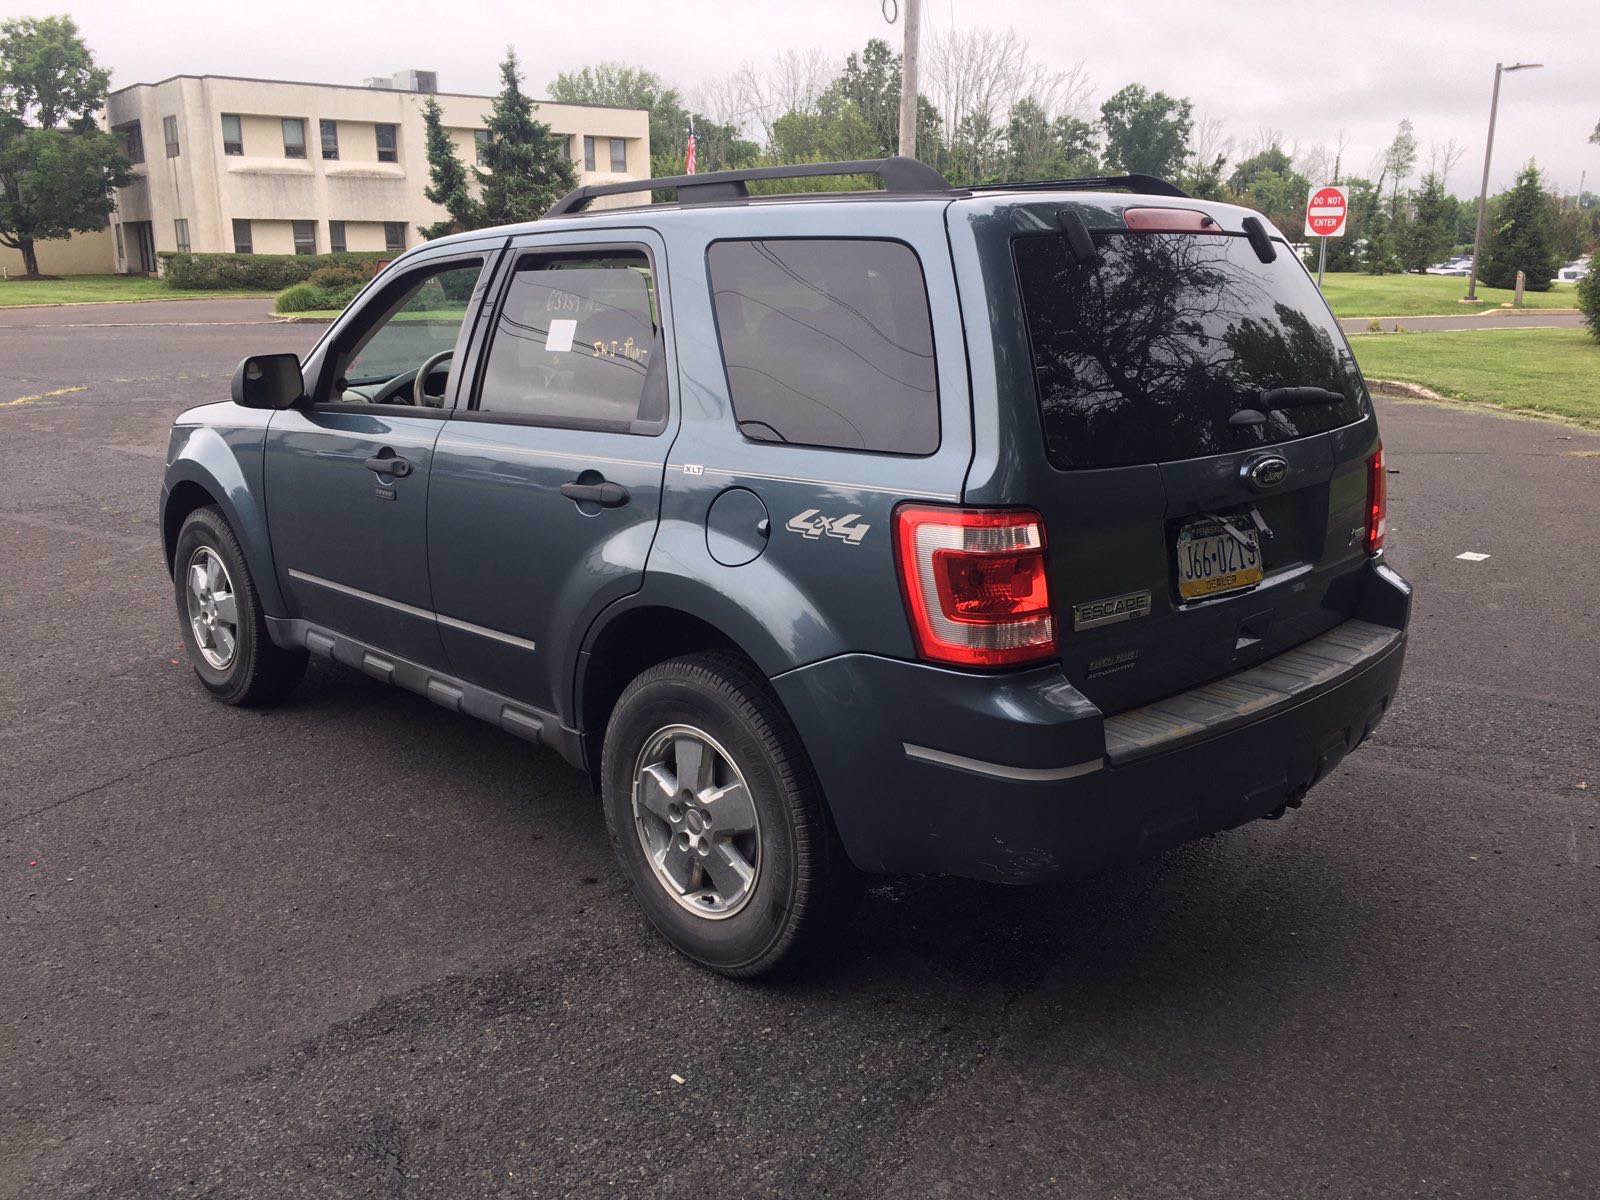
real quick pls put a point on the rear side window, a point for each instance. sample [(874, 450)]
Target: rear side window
[(1149, 355), (827, 343), (578, 345)]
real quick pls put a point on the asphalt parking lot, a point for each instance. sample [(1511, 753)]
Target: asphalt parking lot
[(359, 946)]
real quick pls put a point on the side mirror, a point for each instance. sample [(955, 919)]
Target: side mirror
[(268, 381)]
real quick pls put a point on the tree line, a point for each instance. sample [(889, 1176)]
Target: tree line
[(990, 113)]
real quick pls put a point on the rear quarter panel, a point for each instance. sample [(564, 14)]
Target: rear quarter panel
[(805, 597)]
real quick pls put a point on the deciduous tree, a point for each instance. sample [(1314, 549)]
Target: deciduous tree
[(1146, 132), (58, 169)]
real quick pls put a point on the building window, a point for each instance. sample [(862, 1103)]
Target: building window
[(387, 146), (232, 134), (588, 154), (336, 243), (619, 155), (117, 229), (305, 237), (181, 227), (294, 137), (241, 237), (330, 139), (394, 235), (169, 130), (132, 141), (480, 142)]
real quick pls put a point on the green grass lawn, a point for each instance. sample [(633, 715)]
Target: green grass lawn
[(98, 289), (1352, 294), (1549, 371)]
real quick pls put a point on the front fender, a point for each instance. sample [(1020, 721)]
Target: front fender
[(227, 462)]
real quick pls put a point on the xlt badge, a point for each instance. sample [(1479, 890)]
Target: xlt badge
[(1111, 610)]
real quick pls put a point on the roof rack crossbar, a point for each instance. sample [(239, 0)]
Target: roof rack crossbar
[(1145, 185), (896, 175)]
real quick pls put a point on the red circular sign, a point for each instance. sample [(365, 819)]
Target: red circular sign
[(1325, 213)]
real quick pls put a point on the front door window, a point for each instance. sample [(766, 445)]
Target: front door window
[(417, 329)]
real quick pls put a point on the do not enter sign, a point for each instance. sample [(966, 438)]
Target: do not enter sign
[(1325, 211)]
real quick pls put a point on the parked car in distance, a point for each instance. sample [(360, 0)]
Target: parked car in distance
[(1460, 265), (1007, 532), (1575, 271)]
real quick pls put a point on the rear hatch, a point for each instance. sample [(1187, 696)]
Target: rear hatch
[(1192, 426)]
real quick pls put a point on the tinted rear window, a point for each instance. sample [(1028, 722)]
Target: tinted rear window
[(827, 343), (1146, 355)]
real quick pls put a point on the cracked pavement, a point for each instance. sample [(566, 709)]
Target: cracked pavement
[(359, 946)]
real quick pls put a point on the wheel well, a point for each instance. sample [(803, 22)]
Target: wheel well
[(628, 646), (184, 499)]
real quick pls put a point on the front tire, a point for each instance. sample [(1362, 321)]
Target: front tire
[(717, 819), (224, 629)]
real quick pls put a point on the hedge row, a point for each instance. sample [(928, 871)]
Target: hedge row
[(308, 297), (256, 272)]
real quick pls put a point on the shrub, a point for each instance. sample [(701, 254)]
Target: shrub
[(1589, 296), (331, 278), (308, 297), (259, 272)]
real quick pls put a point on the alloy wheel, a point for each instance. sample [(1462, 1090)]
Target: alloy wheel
[(213, 608), (696, 821)]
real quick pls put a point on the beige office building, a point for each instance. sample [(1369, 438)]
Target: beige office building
[(269, 167)]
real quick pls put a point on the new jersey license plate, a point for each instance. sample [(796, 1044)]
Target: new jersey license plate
[(1214, 558)]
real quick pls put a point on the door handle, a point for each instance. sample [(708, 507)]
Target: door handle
[(606, 495), (380, 464)]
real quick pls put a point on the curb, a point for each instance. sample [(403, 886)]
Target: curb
[(144, 300), (293, 319)]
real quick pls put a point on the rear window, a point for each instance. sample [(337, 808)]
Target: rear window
[(827, 343), (1146, 355)]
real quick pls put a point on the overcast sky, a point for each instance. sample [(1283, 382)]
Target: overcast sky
[(1308, 69)]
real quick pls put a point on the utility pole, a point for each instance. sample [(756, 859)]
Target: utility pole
[(1483, 190), (908, 80)]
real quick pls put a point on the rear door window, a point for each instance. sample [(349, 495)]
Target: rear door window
[(827, 343), (578, 345), (1151, 354)]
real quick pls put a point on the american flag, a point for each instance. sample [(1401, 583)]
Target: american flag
[(688, 155)]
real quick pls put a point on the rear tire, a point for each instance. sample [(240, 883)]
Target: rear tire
[(219, 611), (717, 820)]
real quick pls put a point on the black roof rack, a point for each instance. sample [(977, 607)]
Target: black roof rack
[(1147, 185), (896, 174)]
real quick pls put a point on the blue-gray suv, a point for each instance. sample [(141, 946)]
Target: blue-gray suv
[(1007, 532)]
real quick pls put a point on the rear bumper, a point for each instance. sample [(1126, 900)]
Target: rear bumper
[(1009, 778)]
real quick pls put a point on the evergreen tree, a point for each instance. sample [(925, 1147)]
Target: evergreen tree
[(448, 179), (1428, 235), (1522, 236), (528, 167)]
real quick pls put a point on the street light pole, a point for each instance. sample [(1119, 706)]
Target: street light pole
[(1483, 190), (908, 80)]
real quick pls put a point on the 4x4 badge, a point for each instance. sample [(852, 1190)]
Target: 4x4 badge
[(813, 524)]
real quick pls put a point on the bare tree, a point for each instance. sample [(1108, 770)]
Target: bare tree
[(1443, 159), (977, 77), (755, 96), (1208, 146)]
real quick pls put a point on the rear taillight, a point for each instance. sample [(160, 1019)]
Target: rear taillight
[(974, 584), (1169, 220), (1377, 502)]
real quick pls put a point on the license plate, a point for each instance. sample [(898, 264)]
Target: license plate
[(1211, 560)]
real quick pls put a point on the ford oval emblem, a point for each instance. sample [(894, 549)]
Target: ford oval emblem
[(1265, 473)]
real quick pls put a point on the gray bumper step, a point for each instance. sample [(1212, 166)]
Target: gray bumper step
[(1234, 700)]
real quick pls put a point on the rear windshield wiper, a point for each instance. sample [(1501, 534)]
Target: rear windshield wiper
[(1297, 397), (1270, 399)]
